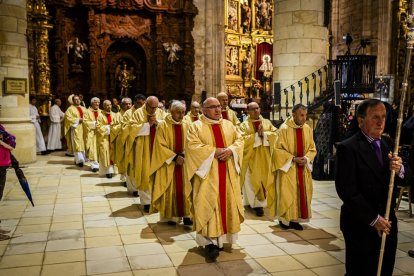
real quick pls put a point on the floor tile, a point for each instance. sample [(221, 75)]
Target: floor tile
[(265, 250), (186, 258), (67, 244), (298, 247), (19, 271), (405, 264), (21, 260), (302, 272), (170, 271), (316, 259), (245, 240), (279, 263), (31, 237), (330, 270), (144, 249), (66, 269), (108, 266), (25, 248), (103, 253), (200, 270), (67, 256), (103, 241), (150, 261)]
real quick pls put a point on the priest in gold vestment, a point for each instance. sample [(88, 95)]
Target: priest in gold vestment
[(125, 166), (194, 113), (73, 130), (256, 174), (108, 127), (142, 130), (226, 112), (167, 166), (119, 143), (293, 158), (213, 156), (91, 118)]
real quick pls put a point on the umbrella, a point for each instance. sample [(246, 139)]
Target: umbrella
[(22, 179)]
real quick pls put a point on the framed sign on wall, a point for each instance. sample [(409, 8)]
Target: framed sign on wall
[(15, 85)]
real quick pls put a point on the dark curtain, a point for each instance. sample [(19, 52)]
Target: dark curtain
[(261, 50)]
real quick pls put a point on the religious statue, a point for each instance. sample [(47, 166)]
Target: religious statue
[(78, 51), (125, 78), (266, 67), (246, 16), (232, 61), (172, 49), (263, 15), (232, 16), (247, 64)]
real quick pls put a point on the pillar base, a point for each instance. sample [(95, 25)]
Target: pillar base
[(25, 133)]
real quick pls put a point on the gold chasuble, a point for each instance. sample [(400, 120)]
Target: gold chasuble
[(91, 118), (108, 128), (115, 137), (74, 130), (190, 118), (124, 144), (214, 190), (142, 136), (291, 200), (230, 115), (168, 188), (257, 163)]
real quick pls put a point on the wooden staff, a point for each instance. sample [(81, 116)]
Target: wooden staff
[(410, 45)]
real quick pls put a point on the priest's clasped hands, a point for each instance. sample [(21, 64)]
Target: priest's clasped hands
[(152, 120), (223, 154), (301, 161)]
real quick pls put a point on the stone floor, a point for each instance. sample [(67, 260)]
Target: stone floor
[(86, 225)]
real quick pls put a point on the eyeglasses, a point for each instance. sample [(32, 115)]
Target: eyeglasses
[(213, 107)]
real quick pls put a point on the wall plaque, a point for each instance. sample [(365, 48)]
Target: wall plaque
[(15, 85)]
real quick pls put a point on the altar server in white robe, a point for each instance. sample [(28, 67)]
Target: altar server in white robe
[(55, 130), (35, 119)]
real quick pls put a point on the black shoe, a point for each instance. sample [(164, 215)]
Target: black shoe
[(109, 175), (135, 194), (212, 252), (125, 185), (284, 226), (187, 221), (411, 253), (80, 164), (146, 208), (172, 223), (45, 152), (296, 226), (259, 211), (95, 170)]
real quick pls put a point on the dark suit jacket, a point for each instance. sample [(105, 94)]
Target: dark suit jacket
[(361, 182)]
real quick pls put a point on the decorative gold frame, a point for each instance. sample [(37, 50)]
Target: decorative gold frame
[(15, 86)]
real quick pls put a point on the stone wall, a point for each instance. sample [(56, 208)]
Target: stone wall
[(14, 113), (363, 19), (300, 40), (208, 34)]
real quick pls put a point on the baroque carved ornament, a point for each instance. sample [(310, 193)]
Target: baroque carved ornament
[(131, 26)]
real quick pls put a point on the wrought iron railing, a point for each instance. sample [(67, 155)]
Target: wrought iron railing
[(356, 74)]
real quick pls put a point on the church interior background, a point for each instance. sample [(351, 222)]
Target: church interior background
[(275, 52)]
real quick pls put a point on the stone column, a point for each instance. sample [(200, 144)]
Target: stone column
[(300, 40), (208, 34), (14, 113)]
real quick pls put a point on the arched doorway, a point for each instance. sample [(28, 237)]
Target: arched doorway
[(125, 69)]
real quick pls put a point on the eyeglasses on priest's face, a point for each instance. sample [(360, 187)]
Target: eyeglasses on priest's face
[(213, 107)]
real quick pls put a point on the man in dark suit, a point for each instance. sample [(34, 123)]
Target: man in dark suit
[(363, 169)]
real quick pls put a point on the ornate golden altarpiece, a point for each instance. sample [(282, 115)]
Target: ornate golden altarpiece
[(100, 47), (248, 25)]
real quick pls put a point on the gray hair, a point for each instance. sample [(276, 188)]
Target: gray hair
[(107, 102), (177, 105), (126, 99), (95, 99)]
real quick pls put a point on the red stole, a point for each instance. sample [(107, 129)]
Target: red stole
[(152, 137), (80, 111), (225, 115), (194, 118), (95, 114), (256, 125), (109, 118), (178, 170), (222, 168), (300, 170)]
